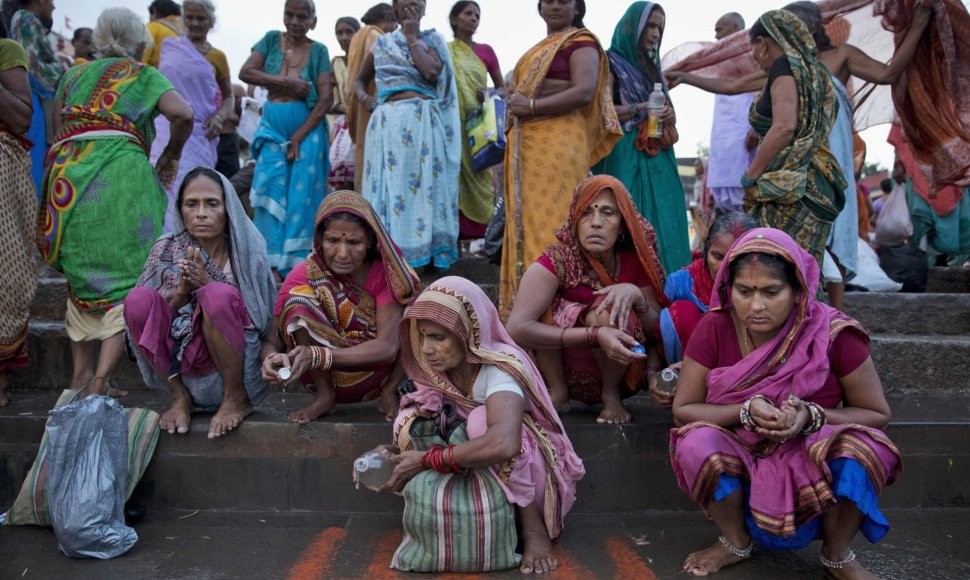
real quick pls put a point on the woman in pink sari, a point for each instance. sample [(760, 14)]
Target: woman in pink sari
[(781, 414), (456, 351)]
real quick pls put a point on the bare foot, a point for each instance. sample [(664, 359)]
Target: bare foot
[(97, 386), (229, 416), (323, 403), (4, 393), (614, 413), (710, 560), (852, 571), (560, 400), (116, 393), (176, 419), (389, 404), (537, 555)]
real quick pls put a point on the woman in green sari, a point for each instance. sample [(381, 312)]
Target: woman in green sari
[(647, 166), (474, 63), (794, 183), (102, 203)]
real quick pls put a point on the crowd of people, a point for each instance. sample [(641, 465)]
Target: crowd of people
[(305, 272)]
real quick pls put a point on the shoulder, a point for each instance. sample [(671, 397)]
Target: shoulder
[(268, 42), (496, 381), (781, 67), (216, 54), (320, 50)]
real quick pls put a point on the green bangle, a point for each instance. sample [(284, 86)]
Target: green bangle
[(748, 181)]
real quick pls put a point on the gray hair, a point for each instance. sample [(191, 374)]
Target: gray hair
[(207, 5), (736, 18), (120, 33)]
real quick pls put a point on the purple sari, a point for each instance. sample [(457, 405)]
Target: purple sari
[(790, 483), (195, 79)]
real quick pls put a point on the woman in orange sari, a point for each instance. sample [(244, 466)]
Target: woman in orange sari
[(564, 122), (379, 20)]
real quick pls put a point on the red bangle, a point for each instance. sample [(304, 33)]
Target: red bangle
[(592, 336), (455, 468)]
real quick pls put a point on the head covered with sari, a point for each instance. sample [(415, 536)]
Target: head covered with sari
[(635, 70), (797, 359), (465, 311), (787, 179)]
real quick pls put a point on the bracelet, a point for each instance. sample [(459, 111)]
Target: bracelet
[(321, 358), (747, 181), (532, 106), (747, 421), (641, 309), (592, 336), (818, 419), (562, 338), (636, 109)]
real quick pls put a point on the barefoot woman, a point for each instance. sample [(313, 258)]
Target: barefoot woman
[(782, 414), (338, 311), (467, 368), (203, 306)]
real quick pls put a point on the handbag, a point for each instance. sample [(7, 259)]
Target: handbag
[(486, 133), (894, 225)]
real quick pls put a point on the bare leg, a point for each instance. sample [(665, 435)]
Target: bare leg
[(235, 402), (839, 525), (836, 292), (82, 372), (326, 398), (176, 419), (112, 351), (550, 364), (611, 375), (729, 516), (4, 395), (537, 555), (389, 400)]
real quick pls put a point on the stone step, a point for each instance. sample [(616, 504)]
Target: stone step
[(272, 464), (898, 313), (907, 363), (949, 280)]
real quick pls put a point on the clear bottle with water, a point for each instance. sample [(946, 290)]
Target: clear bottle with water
[(655, 106), (373, 468), (667, 381)]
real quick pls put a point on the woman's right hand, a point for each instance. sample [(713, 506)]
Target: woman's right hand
[(408, 465), (300, 359), (674, 78), (167, 169), (296, 88), (752, 140), (519, 105), (411, 25), (272, 365), (617, 344)]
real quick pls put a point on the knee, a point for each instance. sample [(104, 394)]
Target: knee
[(593, 319), (139, 303), (218, 300)]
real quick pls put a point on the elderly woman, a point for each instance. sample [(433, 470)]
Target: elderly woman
[(480, 396), (564, 123), (338, 312), (200, 73), (342, 153), (19, 216), (604, 285), (474, 64), (647, 165), (782, 414), (202, 308), (30, 26), (291, 144), (378, 20), (103, 204), (413, 155)]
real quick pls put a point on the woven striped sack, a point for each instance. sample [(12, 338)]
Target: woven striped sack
[(453, 522), (31, 509)]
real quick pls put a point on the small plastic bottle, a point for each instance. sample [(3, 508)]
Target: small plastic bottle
[(667, 381), (655, 106), (638, 349), (373, 468), (284, 373)]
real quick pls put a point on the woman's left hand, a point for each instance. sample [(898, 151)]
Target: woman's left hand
[(192, 269), (519, 105), (622, 298), (213, 126), (792, 419), (667, 115), (293, 149), (408, 465), (300, 359), (167, 169)]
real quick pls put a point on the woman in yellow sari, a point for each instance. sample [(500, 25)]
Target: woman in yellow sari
[(564, 122), (379, 20)]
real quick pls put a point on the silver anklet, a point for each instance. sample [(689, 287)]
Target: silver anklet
[(740, 552), (849, 558)]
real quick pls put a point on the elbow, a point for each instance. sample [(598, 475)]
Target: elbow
[(508, 448), (585, 98), (514, 328), (246, 75), (884, 418), (389, 353), (20, 125)]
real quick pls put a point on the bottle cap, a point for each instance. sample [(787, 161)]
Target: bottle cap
[(638, 349), (284, 373), (658, 86), (360, 465), (668, 374)]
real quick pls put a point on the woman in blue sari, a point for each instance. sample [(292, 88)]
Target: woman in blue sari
[(291, 144), (647, 166), (413, 154)]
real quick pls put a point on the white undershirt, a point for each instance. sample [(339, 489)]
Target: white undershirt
[(493, 380)]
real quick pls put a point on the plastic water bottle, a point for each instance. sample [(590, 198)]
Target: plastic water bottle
[(655, 106), (667, 381), (638, 349), (373, 468)]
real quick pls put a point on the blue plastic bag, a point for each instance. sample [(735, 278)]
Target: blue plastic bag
[(486, 133), (87, 478)]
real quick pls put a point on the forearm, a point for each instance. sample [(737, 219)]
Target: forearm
[(563, 102), (257, 77), (720, 86), (539, 336), (365, 355), (179, 132), (425, 59), (774, 143), (177, 301), (727, 416), (14, 113), (492, 448), (316, 116), (227, 108), (858, 416)]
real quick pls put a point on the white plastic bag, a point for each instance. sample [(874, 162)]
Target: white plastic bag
[(869, 274), (895, 225), (252, 113)]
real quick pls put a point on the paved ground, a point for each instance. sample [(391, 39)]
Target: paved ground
[(208, 545)]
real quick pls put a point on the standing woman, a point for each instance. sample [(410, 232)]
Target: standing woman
[(379, 20), (29, 27), (646, 165), (473, 62), (103, 203), (200, 73), (18, 198), (565, 123), (290, 146), (413, 154), (341, 155), (165, 22)]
